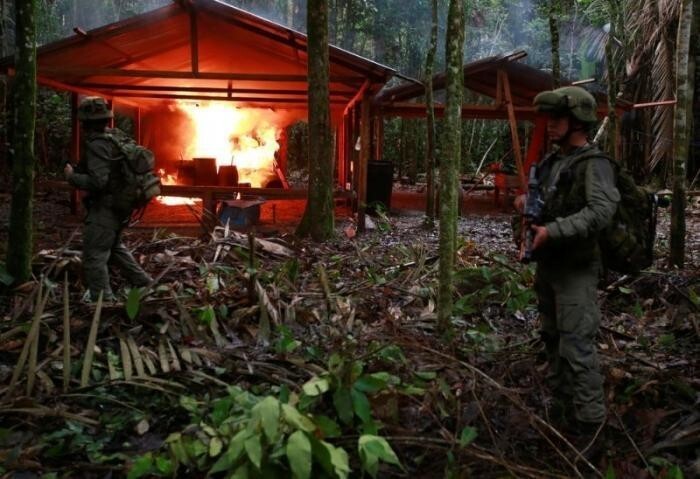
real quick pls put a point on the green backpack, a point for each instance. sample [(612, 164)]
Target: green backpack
[(139, 183), (627, 243)]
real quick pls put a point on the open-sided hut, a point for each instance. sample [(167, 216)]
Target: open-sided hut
[(201, 78)]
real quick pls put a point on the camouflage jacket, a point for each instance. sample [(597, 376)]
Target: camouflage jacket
[(98, 175), (580, 199)]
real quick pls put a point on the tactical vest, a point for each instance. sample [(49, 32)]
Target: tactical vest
[(564, 196)]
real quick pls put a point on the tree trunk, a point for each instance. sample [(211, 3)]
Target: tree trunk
[(681, 124), (318, 216), (449, 163), (430, 105), (290, 13), (612, 79), (19, 249), (554, 8)]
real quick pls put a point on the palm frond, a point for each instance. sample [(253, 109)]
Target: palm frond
[(662, 119)]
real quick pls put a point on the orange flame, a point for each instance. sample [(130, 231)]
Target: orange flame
[(167, 179), (244, 138)]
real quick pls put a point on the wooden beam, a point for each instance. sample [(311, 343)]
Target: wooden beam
[(486, 112), (489, 112), (256, 77), (114, 29), (42, 80), (337, 56), (228, 90), (127, 58), (515, 137), (250, 99), (357, 97), (365, 139)]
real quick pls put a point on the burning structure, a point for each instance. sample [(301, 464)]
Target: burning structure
[(210, 89)]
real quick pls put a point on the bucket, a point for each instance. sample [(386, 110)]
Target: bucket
[(205, 172), (228, 176), (185, 173)]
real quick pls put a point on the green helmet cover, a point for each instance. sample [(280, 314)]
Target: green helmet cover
[(568, 100), (94, 108)]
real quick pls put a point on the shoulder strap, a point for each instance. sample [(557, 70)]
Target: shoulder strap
[(594, 152)]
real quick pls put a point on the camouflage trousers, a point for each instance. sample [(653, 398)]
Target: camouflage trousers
[(102, 246), (570, 319)]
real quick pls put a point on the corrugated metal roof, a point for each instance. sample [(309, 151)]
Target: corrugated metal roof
[(238, 57), (480, 76)]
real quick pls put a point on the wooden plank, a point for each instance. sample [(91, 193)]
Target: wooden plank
[(365, 145), (536, 147), (229, 192), (515, 137), (133, 73), (229, 90), (488, 112), (249, 99), (358, 96)]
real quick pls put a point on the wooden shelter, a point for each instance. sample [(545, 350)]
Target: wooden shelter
[(211, 51), (511, 84)]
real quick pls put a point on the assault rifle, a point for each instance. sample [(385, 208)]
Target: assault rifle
[(532, 214)]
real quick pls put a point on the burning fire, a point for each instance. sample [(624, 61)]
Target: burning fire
[(244, 138), (167, 179)]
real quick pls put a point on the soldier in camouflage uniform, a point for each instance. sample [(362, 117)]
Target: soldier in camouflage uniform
[(98, 173), (580, 199)]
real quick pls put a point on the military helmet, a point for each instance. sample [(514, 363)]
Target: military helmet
[(94, 108), (568, 100)]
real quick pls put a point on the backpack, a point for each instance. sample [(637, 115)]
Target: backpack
[(627, 243), (139, 183)]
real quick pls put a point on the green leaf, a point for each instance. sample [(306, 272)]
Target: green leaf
[(299, 455), (268, 412), (369, 384), (207, 315), (165, 466), (221, 410), (674, 473), (177, 448), (378, 446), (133, 302), (610, 472), (241, 472), (215, 446), (328, 427), (190, 404), (624, 290), (360, 404), (343, 404), (296, 419), (142, 466), (254, 450), (467, 436), (334, 460), (315, 386), (232, 454)]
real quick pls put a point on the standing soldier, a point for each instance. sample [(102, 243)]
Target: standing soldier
[(99, 173), (577, 183)]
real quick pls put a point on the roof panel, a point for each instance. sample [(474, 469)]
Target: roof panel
[(246, 51)]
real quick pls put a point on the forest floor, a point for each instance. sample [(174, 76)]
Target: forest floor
[(269, 353)]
